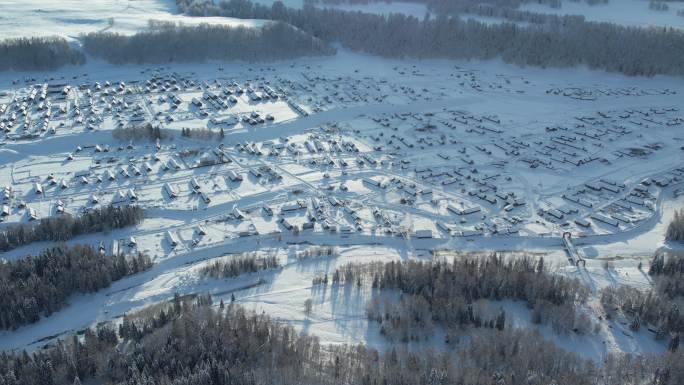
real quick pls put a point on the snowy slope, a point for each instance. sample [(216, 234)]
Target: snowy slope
[(70, 18)]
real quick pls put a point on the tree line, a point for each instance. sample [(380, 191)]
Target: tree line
[(658, 5), (202, 133), (140, 132), (509, 13), (169, 42), (37, 286), (186, 341), (504, 9), (444, 293), (451, 6), (234, 266), (559, 42), (37, 53), (66, 226), (670, 264), (164, 42), (411, 318), (314, 252), (455, 6)]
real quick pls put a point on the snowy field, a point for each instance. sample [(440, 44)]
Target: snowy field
[(624, 12), (379, 159), (70, 18)]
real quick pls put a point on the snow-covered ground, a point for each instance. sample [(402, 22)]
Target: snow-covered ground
[(69, 18), (624, 12)]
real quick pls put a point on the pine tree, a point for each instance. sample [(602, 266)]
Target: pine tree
[(176, 303), (636, 323), (540, 265), (674, 343), (501, 320)]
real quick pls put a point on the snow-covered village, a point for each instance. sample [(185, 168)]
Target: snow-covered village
[(341, 192)]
